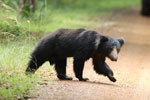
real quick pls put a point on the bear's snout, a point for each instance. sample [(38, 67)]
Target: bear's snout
[(113, 55)]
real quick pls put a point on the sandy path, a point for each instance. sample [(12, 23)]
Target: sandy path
[(132, 70)]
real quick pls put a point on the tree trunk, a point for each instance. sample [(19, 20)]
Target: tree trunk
[(32, 3), (145, 11)]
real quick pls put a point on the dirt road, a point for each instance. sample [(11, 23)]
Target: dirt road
[(132, 69)]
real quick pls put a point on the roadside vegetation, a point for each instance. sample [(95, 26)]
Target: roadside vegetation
[(20, 32)]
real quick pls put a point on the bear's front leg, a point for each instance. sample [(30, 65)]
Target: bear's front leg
[(110, 73), (78, 69), (101, 67)]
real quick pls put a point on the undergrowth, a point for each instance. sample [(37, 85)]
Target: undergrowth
[(14, 84)]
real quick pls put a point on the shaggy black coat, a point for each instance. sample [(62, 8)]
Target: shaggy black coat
[(80, 44)]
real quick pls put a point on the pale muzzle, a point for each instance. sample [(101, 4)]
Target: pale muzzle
[(113, 55)]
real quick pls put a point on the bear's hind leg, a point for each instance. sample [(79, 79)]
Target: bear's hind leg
[(78, 69), (60, 67)]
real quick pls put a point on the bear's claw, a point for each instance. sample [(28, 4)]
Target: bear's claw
[(112, 78)]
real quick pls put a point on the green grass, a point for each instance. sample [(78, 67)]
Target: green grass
[(14, 84), (13, 59), (18, 36)]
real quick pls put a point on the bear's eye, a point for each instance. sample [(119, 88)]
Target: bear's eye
[(110, 49)]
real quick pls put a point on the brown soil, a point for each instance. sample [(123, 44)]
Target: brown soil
[(132, 69)]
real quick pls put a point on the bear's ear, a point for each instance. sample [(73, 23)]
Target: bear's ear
[(121, 40), (104, 39)]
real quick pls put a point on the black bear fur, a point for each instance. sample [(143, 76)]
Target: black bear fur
[(81, 44)]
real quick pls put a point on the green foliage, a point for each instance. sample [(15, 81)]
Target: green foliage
[(11, 3), (14, 83), (26, 12), (93, 4), (10, 27), (53, 14)]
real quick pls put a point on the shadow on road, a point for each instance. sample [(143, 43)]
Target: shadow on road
[(88, 82)]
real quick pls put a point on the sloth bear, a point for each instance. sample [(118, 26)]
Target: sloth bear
[(81, 44)]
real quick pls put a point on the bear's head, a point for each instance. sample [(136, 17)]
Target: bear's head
[(110, 47)]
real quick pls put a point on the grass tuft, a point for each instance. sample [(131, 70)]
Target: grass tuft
[(14, 83)]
